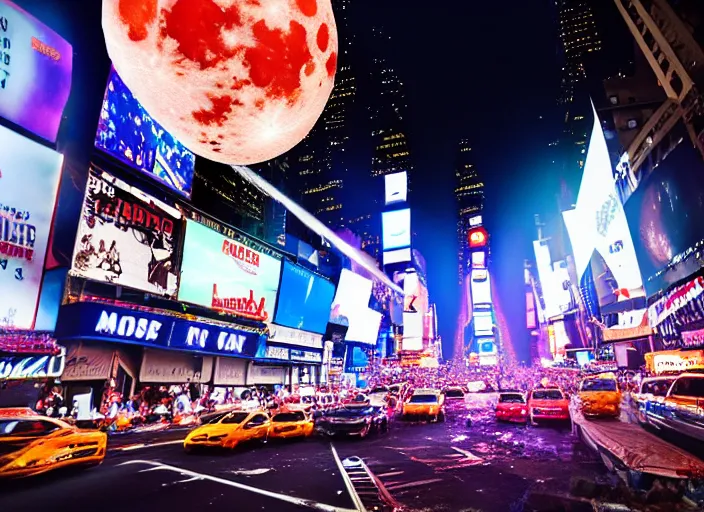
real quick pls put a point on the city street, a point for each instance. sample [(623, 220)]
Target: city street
[(423, 466)]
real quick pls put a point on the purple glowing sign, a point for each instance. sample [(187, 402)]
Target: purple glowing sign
[(35, 72)]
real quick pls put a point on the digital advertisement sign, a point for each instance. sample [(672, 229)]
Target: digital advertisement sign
[(396, 228), (127, 132), (364, 327), (396, 188), (477, 237), (600, 225), (665, 216), (127, 238), (29, 180), (397, 256), (35, 72), (481, 287), (225, 275), (304, 299), (352, 296), (412, 331), (483, 323)]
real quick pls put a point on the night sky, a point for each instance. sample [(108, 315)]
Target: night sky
[(487, 71)]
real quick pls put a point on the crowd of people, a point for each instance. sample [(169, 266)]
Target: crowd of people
[(182, 404)]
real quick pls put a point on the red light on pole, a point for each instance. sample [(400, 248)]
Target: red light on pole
[(477, 237)]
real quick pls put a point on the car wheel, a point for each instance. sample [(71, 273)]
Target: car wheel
[(384, 426), (532, 421), (365, 432), (441, 417)]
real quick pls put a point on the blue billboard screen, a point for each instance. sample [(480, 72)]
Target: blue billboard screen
[(304, 300), (127, 132)]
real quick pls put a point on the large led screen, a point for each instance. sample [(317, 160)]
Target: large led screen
[(412, 331), (352, 298), (396, 187), (483, 323), (29, 178), (127, 132), (666, 214), (126, 237), (364, 327), (397, 256), (481, 287), (35, 72), (225, 275), (304, 299), (396, 228), (599, 224)]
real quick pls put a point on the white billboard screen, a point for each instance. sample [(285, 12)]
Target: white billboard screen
[(483, 323), (397, 256), (600, 222), (396, 188), (481, 287), (396, 228), (412, 331)]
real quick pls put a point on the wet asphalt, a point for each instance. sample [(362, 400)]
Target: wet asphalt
[(436, 467)]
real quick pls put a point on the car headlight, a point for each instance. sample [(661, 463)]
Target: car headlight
[(524, 412)]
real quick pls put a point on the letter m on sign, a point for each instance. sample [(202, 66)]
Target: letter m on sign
[(107, 323)]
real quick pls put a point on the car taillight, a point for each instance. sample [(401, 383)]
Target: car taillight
[(524, 412)]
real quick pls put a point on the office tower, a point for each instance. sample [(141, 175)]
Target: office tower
[(320, 163), (469, 194), (387, 112)]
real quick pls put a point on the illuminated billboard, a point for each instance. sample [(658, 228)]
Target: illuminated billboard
[(35, 72), (415, 294), (29, 179), (304, 299), (483, 323), (481, 287), (477, 237), (226, 275), (475, 221), (479, 259), (396, 188), (350, 308), (599, 224), (665, 215), (552, 290), (396, 228), (127, 132), (397, 256), (412, 331), (126, 237)]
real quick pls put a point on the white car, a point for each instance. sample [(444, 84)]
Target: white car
[(378, 396)]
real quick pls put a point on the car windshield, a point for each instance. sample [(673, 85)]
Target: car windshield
[(347, 412), (286, 417), (512, 398), (380, 390), (235, 418), (454, 393), (212, 418), (599, 385), (424, 399), (657, 387), (547, 394)]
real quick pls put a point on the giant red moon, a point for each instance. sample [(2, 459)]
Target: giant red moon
[(237, 81)]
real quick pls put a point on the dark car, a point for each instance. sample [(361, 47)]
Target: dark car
[(354, 420)]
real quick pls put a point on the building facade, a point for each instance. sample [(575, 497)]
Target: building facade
[(469, 194)]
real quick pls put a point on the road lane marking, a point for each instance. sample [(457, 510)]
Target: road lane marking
[(348, 482), (415, 484), (139, 446), (158, 466), (392, 473), (467, 454)]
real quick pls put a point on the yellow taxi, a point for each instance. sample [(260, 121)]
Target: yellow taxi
[(291, 423), (31, 444), (599, 396), (228, 429), (425, 402)]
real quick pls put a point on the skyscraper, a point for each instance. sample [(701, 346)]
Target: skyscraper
[(387, 116), (321, 164), (469, 193)]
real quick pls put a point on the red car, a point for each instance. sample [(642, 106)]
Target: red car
[(548, 404), (512, 407)]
